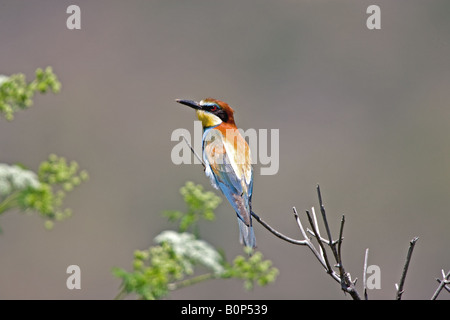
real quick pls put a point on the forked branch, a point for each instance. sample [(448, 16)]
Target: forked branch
[(443, 283), (339, 275)]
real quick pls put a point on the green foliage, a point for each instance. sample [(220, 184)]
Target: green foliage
[(171, 263), (153, 270), (172, 260), (42, 192), (21, 188), (16, 93), (251, 270), (57, 171), (201, 205)]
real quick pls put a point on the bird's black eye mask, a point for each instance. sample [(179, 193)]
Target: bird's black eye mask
[(216, 110)]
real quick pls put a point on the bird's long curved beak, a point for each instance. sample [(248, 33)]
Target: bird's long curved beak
[(190, 103)]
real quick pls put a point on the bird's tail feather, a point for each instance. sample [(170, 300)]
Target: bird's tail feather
[(247, 235)]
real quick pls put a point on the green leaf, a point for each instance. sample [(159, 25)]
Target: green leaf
[(200, 205), (251, 270), (43, 192), (153, 270), (17, 94)]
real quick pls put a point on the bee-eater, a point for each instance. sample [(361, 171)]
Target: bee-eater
[(227, 160)]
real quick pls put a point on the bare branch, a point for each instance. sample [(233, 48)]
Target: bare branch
[(341, 231), (193, 151), (400, 290), (347, 284), (318, 237), (343, 278), (446, 287), (365, 274), (321, 239), (278, 234), (309, 243), (442, 284), (325, 222), (300, 226), (322, 252)]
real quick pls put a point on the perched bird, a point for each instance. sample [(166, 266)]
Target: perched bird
[(227, 160)]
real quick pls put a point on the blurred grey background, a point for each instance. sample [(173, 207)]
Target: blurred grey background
[(364, 113)]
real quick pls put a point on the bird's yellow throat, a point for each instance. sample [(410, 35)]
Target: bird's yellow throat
[(208, 119)]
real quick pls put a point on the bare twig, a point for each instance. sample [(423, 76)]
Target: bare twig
[(318, 237), (193, 151), (323, 253), (299, 223), (400, 290), (343, 278), (278, 234), (306, 242), (309, 243), (365, 274), (446, 287), (325, 222), (442, 284), (341, 231), (321, 239), (347, 284)]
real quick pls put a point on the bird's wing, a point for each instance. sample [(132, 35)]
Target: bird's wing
[(232, 170)]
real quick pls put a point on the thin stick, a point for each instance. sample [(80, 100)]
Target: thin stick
[(400, 290), (365, 274), (445, 280), (299, 223), (318, 231), (195, 153), (311, 246), (321, 239), (323, 252), (276, 233), (341, 231), (325, 222), (446, 287), (346, 283)]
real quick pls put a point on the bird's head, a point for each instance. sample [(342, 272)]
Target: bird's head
[(211, 112)]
